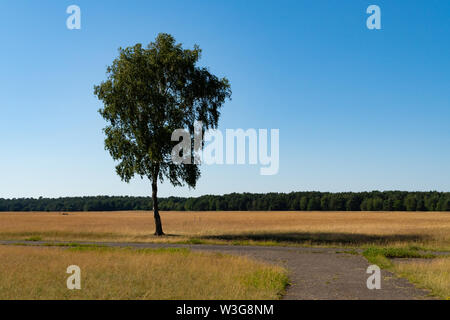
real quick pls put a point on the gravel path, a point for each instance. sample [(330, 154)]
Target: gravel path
[(315, 273)]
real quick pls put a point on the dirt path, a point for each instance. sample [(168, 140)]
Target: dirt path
[(315, 273)]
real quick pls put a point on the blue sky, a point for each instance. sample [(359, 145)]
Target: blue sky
[(357, 109)]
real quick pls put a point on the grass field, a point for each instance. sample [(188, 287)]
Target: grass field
[(40, 273), (355, 229), (384, 235), (426, 270), (433, 275)]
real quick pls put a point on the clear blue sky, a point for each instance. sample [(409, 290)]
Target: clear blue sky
[(357, 109)]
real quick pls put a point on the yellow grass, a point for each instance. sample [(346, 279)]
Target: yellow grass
[(433, 275), (429, 229), (40, 273)]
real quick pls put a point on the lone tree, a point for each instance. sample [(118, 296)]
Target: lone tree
[(150, 92)]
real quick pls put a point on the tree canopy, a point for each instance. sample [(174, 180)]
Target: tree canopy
[(301, 201), (149, 93)]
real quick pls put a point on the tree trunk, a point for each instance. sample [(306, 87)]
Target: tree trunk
[(158, 225)]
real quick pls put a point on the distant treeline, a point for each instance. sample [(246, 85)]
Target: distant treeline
[(304, 201)]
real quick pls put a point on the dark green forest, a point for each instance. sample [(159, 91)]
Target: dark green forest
[(304, 201)]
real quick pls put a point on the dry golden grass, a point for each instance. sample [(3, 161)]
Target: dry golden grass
[(40, 273), (433, 275), (431, 229)]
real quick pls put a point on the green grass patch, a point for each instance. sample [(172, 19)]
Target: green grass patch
[(397, 253), (163, 250), (72, 245), (193, 241), (61, 235), (34, 238), (381, 256), (267, 280)]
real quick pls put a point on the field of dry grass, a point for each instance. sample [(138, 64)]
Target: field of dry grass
[(40, 273), (426, 229), (181, 275), (434, 275)]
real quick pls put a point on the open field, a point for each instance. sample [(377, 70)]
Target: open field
[(385, 235), (429, 230), (40, 273), (314, 273)]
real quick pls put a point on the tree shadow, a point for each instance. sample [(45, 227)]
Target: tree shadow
[(321, 238)]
